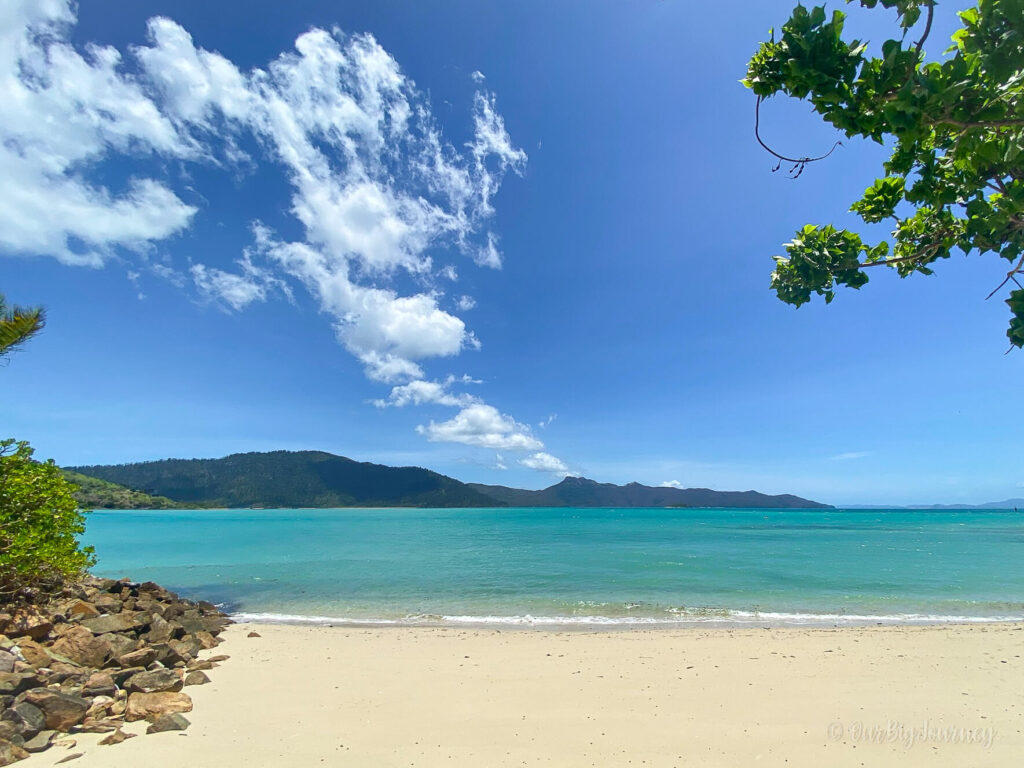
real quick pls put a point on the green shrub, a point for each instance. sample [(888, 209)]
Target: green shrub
[(39, 526)]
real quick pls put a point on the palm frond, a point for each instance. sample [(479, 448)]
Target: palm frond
[(18, 325)]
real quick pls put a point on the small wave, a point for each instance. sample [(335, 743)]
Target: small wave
[(717, 617)]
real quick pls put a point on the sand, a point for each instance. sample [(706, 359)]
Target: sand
[(879, 696)]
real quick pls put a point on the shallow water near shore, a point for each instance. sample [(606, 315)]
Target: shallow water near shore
[(577, 567)]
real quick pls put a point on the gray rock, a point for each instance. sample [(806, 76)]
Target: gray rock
[(153, 682), (39, 742), (7, 660), (62, 710), (168, 722), (26, 718), (117, 622), (196, 678), (13, 683)]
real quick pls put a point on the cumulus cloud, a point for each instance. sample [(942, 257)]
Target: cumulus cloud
[(670, 484), (483, 425), (545, 462), (422, 392), (376, 192), (63, 112)]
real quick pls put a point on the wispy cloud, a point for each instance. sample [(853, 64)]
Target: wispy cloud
[(849, 456)]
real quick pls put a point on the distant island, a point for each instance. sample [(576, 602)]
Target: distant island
[(320, 479)]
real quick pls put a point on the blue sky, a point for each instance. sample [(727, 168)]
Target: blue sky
[(504, 241)]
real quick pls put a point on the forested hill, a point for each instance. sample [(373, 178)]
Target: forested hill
[(93, 493), (581, 492), (290, 479)]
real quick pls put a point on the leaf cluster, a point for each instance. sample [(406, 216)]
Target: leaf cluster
[(39, 525), (955, 177)]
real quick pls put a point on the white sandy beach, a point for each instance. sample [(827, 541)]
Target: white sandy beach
[(306, 696)]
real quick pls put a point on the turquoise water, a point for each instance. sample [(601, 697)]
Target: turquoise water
[(577, 566)]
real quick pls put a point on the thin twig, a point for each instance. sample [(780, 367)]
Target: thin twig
[(1017, 269), (798, 162)]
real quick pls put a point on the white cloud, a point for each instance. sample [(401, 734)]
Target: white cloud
[(62, 113), (375, 189), (849, 456), (236, 290), (483, 425), (547, 422), (670, 484), (545, 462), (422, 392)]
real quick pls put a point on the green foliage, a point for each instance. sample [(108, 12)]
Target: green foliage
[(290, 479), (39, 525), (955, 178), (18, 325), (93, 493)]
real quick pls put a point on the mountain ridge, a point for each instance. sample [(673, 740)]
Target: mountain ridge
[(321, 479), (583, 492)]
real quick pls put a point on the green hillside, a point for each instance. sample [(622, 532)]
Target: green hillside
[(93, 493), (290, 479)]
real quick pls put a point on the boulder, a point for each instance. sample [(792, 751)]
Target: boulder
[(147, 706), (27, 719), (169, 722), (152, 682), (117, 737), (79, 645), (40, 742), (61, 710), (117, 644), (79, 609), (125, 621), (7, 660), (29, 622), (167, 655), (188, 647), (142, 657), (9, 733), (106, 603), (34, 653), (11, 753), (13, 683), (120, 675), (61, 671), (99, 684), (162, 631), (206, 640), (196, 678)]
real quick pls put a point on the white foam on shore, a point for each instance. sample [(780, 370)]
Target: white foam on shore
[(721, 618)]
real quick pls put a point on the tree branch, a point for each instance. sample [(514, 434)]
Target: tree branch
[(799, 162), (927, 29)]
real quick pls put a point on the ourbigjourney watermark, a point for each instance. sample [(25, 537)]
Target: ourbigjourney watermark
[(896, 732)]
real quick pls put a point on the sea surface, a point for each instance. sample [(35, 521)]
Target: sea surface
[(577, 567)]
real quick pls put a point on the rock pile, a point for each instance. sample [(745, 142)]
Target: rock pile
[(102, 653)]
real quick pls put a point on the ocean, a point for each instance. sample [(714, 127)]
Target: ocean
[(577, 567)]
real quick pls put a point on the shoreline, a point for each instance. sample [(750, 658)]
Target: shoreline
[(739, 620), (948, 695)]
